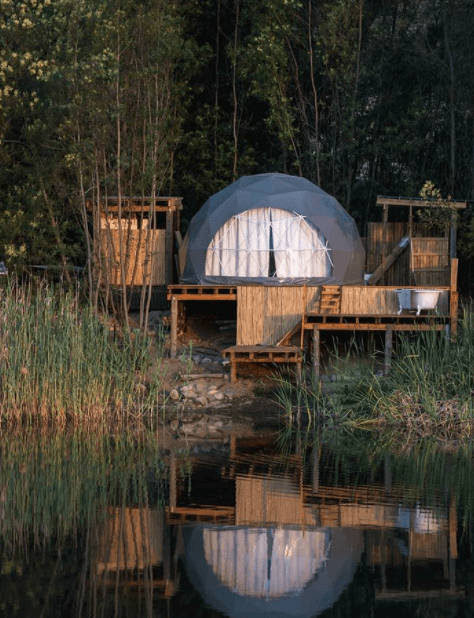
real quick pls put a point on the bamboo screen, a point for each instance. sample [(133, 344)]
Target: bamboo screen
[(139, 261), (430, 261), (266, 313), (374, 300)]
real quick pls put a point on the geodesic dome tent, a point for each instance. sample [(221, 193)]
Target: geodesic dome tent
[(272, 229)]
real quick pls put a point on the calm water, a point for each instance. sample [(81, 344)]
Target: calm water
[(119, 526)]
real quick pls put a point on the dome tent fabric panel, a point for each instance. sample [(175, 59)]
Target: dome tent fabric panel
[(279, 191)]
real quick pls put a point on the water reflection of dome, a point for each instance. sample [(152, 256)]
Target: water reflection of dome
[(279, 572)]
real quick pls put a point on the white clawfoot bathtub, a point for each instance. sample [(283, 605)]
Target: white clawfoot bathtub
[(418, 299)]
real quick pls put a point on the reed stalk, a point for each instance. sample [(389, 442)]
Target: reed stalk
[(59, 362)]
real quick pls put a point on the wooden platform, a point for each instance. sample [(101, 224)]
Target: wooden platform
[(202, 292), (262, 354)]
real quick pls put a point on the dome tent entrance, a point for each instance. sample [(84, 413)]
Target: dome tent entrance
[(273, 229)]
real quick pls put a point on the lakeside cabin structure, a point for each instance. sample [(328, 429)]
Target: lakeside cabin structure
[(291, 259), (133, 245)]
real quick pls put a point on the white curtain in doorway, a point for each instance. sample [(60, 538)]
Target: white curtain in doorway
[(300, 250), (241, 246)]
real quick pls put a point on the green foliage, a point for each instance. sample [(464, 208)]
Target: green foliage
[(442, 214)]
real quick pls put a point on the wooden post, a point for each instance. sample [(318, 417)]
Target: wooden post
[(174, 327), (316, 353), (169, 248), (389, 260), (388, 349), (453, 297), (385, 213), (452, 235), (233, 370)]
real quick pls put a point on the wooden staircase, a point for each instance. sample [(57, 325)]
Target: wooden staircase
[(330, 299)]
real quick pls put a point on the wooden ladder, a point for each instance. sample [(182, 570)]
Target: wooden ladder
[(330, 301)]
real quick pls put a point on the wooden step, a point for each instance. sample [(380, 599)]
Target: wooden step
[(262, 354), (330, 301)]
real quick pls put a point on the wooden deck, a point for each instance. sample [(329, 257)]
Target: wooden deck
[(275, 323)]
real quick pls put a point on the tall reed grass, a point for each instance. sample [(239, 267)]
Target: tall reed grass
[(56, 483), (58, 361), (429, 389)]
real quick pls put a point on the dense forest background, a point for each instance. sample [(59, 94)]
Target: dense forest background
[(181, 97)]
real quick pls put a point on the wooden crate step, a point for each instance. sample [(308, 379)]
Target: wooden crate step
[(262, 354)]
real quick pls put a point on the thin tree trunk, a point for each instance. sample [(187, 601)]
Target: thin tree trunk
[(351, 161), (57, 234), (122, 257), (235, 121), (315, 93), (216, 95), (452, 118)]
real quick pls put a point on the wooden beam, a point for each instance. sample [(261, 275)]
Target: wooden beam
[(169, 248), (453, 236), (416, 202), (389, 260), (377, 327), (454, 297)]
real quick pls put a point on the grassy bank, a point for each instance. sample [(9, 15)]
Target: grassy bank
[(59, 362), (429, 389)]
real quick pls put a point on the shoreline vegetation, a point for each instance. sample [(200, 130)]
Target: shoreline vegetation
[(428, 391), (61, 363)]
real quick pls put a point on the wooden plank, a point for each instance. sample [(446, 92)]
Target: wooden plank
[(389, 260), (417, 202), (453, 284), (379, 327)]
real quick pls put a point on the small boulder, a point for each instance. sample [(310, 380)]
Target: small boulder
[(174, 395)]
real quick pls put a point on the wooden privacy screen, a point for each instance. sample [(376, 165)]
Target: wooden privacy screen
[(426, 262), (430, 261), (266, 313), (139, 261)]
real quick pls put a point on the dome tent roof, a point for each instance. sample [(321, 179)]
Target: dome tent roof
[(279, 191)]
